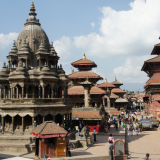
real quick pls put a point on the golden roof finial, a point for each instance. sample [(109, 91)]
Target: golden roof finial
[(105, 80), (32, 6), (84, 56), (115, 78)]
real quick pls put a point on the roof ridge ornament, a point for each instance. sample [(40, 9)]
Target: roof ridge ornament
[(32, 6), (115, 78), (105, 80), (84, 56)]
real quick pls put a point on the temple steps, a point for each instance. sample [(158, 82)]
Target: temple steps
[(17, 139), (17, 147), (15, 143)]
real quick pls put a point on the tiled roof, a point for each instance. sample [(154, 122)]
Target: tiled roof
[(79, 90), (156, 49), (116, 82), (155, 59), (49, 127), (106, 84), (84, 74), (111, 96), (83, 62), (117, 90), (86, 114)]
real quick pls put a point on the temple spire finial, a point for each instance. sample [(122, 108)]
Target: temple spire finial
[(84, 56), (115, 78), (32, 7), (105, 80)]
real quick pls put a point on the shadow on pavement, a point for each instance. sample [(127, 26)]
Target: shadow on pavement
[(5, 156)]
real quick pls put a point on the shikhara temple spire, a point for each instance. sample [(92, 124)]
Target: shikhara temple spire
[(32, 10)]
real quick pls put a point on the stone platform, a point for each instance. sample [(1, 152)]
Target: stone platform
[(17, 143)]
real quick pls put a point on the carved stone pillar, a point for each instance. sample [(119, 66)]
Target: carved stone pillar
[(43, 92), (26, 63), (108, 105), (17, 92), (40, 62), (2, 124), (22, 92), (9, 93), (12, 124), (43, 118), (13, 92), (39, 92), (22, 124), (33, 122)]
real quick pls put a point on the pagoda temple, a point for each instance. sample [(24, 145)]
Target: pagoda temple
[(32, 83), (152, 87), (96, 96)]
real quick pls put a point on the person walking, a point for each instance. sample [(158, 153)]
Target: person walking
[(130, 130), (116, 124), (140, 127), (110, 147), (110, 138), (122, 125), (147, 157), (136, 129), (94, 133)]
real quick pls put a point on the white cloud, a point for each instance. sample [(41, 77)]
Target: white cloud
[(92, 24), (63, 47), (131, 72), (123, 33), (7, 39)]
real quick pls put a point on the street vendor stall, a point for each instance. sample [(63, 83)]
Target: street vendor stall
[(50, 140)]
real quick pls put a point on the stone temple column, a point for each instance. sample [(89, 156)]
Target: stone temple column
[(12, 124), (86, 99), (32, 121), (4, 93), (43, 92), (2, 124), (108, 105), (22, 92), (17, 92), (13, 92)]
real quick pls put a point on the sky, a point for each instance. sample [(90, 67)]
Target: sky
[(118, 35)]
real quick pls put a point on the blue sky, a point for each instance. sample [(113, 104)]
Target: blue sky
[(117, 34)]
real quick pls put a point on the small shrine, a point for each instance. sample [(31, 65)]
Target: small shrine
[(51, 139)]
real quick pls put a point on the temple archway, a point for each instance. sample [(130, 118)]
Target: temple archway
[(39, 119), (58, 119), (17, 123), (8, 123), (49, 117), (28, 126)]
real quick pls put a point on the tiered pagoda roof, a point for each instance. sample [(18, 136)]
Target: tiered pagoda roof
[(79, 90), (82, 63), (116, 82), (117, 90), (84, 74), (106, 85), (156, 49)]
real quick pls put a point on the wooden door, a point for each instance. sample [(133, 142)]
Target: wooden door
[(42, 147), (61, 146)]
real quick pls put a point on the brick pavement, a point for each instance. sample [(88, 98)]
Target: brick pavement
[(145, 142)]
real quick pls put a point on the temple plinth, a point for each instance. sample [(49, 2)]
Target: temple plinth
[(87, 87)]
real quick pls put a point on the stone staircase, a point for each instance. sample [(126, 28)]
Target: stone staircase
[(17, 143)]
